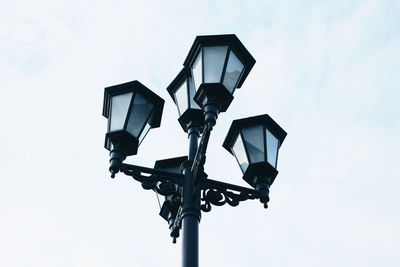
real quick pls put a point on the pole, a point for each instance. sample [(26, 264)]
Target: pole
[(190, 207)]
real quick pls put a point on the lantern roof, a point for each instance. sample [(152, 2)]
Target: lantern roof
[(134, 86), (230, 40), (264, 119), (169, 163)]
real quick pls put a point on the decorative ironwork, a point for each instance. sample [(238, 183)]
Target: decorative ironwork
[(212, 192), (164, 183), (219, 193)]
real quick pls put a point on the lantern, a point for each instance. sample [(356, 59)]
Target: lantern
[(219, 64), (132, 110), (255, 143), (171, 203), (182, 92)]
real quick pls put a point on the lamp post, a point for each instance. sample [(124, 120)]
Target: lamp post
[(215, 67)]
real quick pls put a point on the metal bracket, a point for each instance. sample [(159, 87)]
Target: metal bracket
[(164, 183), (212, 192), (219, 193), (160, 181)]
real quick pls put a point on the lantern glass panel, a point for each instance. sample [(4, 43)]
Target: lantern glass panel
[(192, 92), (233, 71), (214, 59), (144, 132), (140, 113), (272, 149), (181, 98), (240, 154), (254, 142), (119, 110), (197, 71)]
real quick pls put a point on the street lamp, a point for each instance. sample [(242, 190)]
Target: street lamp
[(220, 64), (215, 66), (132, 109), (255, 142)]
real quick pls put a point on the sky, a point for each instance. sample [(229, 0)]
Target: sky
[(327, 71)]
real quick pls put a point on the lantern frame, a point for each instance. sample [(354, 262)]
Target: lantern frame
[(170, 208), (259, 171), (125, 141), (191, 116)]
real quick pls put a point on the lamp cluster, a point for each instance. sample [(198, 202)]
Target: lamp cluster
[(214, 68)]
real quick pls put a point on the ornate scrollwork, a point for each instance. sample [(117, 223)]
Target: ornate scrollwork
[(213, 192), (169, 184), (218, 194), (162, 184)]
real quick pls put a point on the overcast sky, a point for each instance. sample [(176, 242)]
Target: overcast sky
[(327, 71)]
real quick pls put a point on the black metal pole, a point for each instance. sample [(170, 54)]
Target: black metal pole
[(190, 207)]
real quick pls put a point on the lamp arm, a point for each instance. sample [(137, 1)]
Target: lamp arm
[(219, 193), (200, 158)]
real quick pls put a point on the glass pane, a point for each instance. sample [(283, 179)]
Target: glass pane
[(233, 71), (144, 133), (140, 113), (119, 110), (254, 142), (214, 59), (181, 98), (272, 149), (240, 154), (192, 92), (197, 71)]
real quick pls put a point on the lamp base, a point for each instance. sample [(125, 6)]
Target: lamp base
[(116, 160), (215, 93), (192, 118), (211, 112), (263, 187)]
